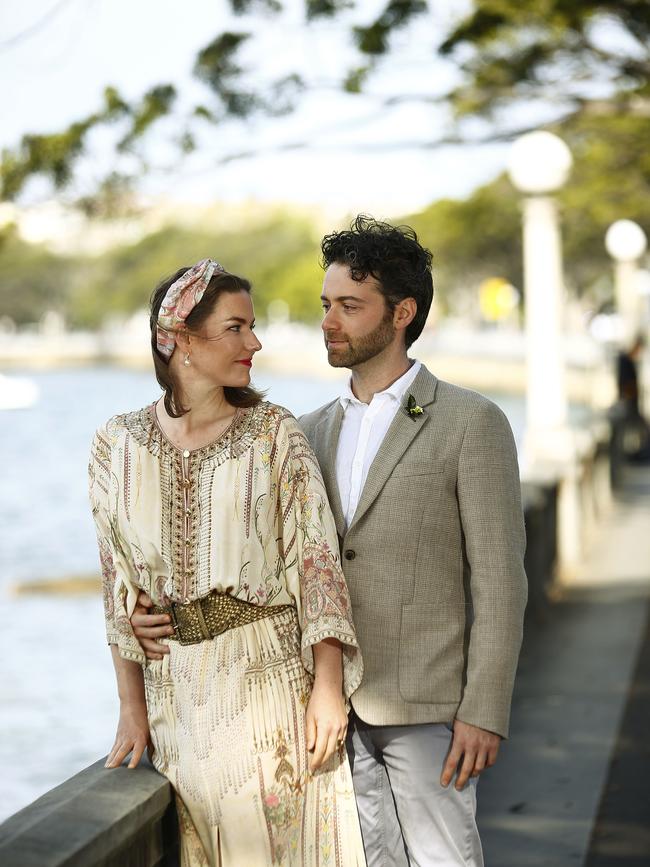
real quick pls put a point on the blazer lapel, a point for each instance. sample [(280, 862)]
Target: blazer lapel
[(401, 433), (328, 439)]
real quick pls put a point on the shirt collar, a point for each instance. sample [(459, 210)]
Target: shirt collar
[(395, 391)]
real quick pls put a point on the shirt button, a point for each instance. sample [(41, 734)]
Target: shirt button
[(186, 453), (350, 554)]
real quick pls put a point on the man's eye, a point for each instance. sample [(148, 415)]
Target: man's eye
[(325, 307), (348, 308)]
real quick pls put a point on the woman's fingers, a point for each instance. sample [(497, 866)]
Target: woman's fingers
[(132, 735), (117, 755), (122, 749), (319, 749), (329, 739), (136, 755), (310, 731)]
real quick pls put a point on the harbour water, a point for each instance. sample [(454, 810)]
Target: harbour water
[(58, 709)]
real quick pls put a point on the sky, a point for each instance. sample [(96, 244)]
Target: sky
[(358, 155)]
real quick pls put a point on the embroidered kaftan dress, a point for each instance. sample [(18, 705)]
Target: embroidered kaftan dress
[(246, 515)]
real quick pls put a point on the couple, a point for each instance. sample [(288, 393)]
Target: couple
[(222, 561)]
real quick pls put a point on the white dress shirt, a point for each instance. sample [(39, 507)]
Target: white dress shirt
[(363, 430)]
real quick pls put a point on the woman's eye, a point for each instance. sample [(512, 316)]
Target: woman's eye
[(235, 328)]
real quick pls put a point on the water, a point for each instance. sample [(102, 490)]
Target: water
[(59, 709)]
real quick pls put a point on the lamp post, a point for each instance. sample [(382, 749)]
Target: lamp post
[(539, 165), (626, 243)]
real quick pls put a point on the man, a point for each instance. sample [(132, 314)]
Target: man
[(423, 482), (630, 427)]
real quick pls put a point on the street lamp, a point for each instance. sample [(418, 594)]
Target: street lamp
[(539, 165), (626, 243)]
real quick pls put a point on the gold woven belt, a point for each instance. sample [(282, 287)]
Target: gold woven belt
[(202, 619)]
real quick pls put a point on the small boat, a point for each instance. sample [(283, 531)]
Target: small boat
[(17, 392)]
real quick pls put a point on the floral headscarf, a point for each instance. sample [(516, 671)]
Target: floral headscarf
[(181, 298)]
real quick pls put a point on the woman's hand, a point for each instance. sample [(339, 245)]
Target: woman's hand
[(326, 723), (132, 736)]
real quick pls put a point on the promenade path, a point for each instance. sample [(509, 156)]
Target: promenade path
[(572, 784)]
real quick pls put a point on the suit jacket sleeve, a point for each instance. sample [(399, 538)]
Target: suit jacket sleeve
[(489, 497)]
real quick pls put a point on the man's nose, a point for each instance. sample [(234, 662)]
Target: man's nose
[(329, 321)]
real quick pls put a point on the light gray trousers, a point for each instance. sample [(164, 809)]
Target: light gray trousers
[(407, 818)]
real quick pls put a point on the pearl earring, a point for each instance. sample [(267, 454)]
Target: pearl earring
[(186, 360)]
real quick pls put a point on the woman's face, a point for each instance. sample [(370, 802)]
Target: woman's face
[(221, 349)]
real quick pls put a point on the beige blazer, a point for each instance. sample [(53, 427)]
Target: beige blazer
[(434, 559)]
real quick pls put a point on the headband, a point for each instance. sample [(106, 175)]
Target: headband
[(181, 298)]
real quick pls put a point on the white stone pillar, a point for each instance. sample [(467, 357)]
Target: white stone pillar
[(539, 165), (546, 398)]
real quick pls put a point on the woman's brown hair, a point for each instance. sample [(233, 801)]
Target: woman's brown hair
[(220, 283)]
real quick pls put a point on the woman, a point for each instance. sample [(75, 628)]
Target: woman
[(211, 494)]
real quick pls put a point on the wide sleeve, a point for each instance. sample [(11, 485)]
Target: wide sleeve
[(311, 556), (119, 591), (489, 496)]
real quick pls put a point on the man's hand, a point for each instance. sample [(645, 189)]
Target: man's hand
[(476, 747), (149, 627)]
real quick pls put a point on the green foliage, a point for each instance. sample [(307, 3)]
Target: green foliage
[(610, 181), (156, 103), (471, 240), (278, 254), (480, 237), (32, 280), (508, 52), (217, 67), (375, 38), (513, 50), (325, 8)]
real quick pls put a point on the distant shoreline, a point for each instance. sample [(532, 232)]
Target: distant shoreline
[(484, 361)]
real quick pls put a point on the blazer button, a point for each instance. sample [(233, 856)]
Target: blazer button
[(350, 554)]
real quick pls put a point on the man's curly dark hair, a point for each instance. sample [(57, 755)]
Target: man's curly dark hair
[(390, 254)]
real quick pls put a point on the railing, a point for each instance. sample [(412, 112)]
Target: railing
[(104, 818)]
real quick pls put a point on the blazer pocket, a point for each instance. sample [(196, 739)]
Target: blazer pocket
[(418, 468), (431, 655)]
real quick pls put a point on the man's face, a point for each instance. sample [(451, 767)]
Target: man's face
[(357, 324)]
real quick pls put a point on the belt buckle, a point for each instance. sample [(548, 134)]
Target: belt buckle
[(178, 624)]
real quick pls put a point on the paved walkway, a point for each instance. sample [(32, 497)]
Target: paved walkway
[(572, 785)]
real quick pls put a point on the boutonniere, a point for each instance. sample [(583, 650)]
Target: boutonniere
[(412, 407)]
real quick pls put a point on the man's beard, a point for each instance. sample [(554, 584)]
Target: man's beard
[(361, 348)]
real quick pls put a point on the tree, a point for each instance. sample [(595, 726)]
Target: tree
[(574, 58)]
